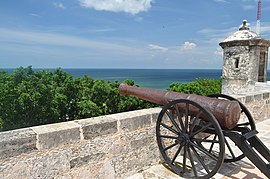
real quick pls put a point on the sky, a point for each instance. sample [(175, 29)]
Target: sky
[(170, 34)]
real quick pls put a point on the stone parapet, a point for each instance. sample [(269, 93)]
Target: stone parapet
[(16, 142), (112, 146), (55, 135), (258, 104)]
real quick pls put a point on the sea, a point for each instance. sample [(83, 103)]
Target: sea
[(148, 78)]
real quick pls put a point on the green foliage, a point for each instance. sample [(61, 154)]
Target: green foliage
[(29, 97), (202, 87)]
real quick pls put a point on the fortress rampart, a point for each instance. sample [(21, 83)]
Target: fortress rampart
[(112, 146)]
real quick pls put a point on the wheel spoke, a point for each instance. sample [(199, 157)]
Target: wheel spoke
[(170, 146), (192, 163), (200, 159), (205, 140), (195, 121), (212, 145), (176, 154), (201, 130), (173, 121), (179, 117), (168, 137), (170, 128), (230, 149), (205, 151), (184, 159), (186, 117), (243, 124)]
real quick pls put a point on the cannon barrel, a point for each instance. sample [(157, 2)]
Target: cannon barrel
[(226, 112)]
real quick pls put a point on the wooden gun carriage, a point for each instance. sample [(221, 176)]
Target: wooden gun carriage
[(196, 134)]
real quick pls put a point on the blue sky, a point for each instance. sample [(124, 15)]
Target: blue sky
[(121, 33)]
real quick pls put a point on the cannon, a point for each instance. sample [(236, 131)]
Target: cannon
[(196, 134)]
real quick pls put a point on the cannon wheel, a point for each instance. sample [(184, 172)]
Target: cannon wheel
[(249, 124), (179, 137)]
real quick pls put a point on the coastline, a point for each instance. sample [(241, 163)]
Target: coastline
[(150, 78)]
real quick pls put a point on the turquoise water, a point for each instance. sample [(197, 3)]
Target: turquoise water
[(150, 78)]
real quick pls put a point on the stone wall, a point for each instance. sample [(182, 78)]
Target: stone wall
[(257, 103), (112, 146)]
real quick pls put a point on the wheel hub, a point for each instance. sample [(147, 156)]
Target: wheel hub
[(183, 139)]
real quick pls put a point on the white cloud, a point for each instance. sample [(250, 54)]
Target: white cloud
[(188, 46), (34, 15), (139, 19), (248, 7), (52, 39), (59, 5), (49, 49), (128, 6), (223, 1), (157, 48), (249, 0), (265, 30), (219, 52)]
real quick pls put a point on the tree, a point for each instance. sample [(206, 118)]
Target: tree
[(202, 87), (29, 97)]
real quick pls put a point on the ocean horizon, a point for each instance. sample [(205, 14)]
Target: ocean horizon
[(149, 78)]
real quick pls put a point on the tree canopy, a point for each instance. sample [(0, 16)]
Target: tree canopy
[(29, 97)]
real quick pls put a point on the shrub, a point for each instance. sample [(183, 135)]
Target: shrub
[(200, 86)]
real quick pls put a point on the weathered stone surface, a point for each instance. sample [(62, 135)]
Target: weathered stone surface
[(79, 161), (37, 165), (55, 135), (129, 163), (134, 123), (119, 151), (84, 172), (258, 97), (107, 171), (133, 120), (245, 62), (249, 99), (266, 95), (16, 142), (97, 126)]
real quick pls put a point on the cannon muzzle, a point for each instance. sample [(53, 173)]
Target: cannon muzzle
[(226, 112)]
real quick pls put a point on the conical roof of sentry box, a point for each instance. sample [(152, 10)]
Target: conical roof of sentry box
[(244, 37), (242, 34)]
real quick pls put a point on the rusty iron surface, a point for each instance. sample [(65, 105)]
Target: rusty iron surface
[(226, 112)]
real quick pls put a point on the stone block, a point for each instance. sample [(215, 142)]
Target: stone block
[(258, 97), (80, 161), (265, 95), (84, 172), (249, 99), (117, 145), (154, 112), (58, 134), (36, 165), (15, 142), (133, 120), (140, 143), (51, 164), (98, 126)]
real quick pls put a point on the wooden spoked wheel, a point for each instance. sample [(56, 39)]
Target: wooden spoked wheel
[(184, 134), (246, 124)]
